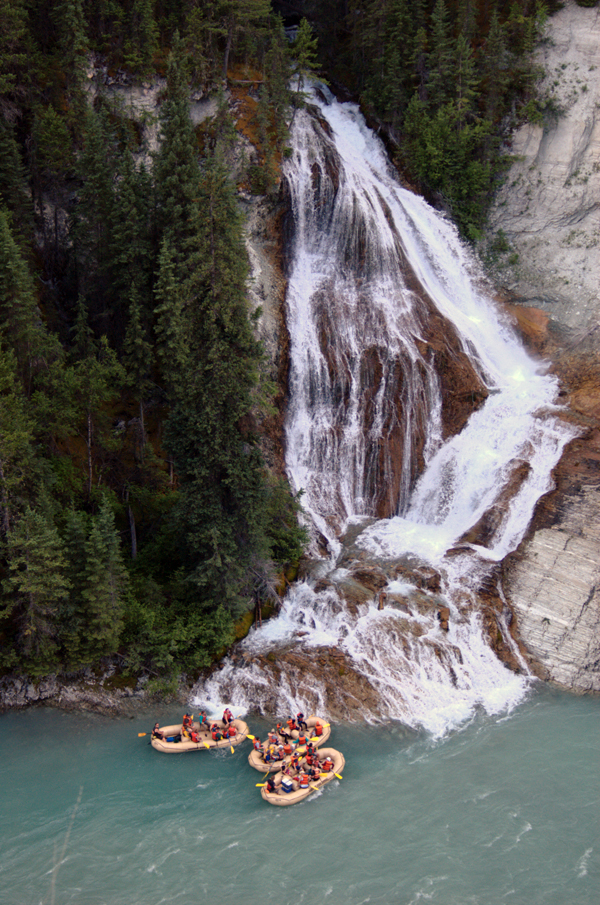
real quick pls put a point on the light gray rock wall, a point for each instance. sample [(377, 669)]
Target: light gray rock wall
[(549, 211), (555, 593), (549, 207)]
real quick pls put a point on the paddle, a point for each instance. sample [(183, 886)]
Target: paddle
[(251, 736), (142, 734)]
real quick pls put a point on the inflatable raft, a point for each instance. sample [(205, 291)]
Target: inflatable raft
[(256, 759), (206, 740), (279, 797)]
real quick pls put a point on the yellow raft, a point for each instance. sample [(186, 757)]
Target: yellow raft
[(206, 740), (256, 759), (279, 797)]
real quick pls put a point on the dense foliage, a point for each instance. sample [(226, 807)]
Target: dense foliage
[(137, 517)]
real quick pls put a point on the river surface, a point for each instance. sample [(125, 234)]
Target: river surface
[(503, 810)]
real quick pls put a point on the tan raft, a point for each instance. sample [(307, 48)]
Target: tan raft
[(284, 798), (256, 759), (206, 740)]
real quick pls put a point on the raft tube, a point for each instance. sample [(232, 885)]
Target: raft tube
[(284, 798), (256, 760), (206, 740)]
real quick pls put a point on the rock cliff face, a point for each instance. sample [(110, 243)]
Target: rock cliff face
[(549, 212)]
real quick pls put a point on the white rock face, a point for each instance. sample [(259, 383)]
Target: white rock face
[(549, 207)]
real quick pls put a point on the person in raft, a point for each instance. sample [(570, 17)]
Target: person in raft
[(302, 724), (156, 733), (270, 786), (227, 717), (186, 725)]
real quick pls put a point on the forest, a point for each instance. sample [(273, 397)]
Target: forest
[(139, 522)]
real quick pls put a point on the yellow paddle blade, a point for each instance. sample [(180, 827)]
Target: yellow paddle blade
[(338, 775), (250, 736), (231, 746), (259, 785), (142, 734), (315, 739), (206, 745)]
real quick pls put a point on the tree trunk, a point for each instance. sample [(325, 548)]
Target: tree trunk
[(132, 529), (5, 512)]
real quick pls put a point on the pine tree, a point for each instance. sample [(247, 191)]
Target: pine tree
[(16, 441), (176, 165), (440, 57), (13, 16), (72, 612), (105, 587), (13, 185), (217, 460), (94, 215), (20, 319), (35, 588), (98, 376)]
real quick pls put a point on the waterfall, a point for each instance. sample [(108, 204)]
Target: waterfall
[(371, 267)]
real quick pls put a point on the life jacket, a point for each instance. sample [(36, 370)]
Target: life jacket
[(326, 766), (231, 731), (318, 729), (194, 736), (227, 716), (187, 721), (270, 785), (216, 734), (303, 781), (302, 739), (287, 748), (291, 725), (256, 744)]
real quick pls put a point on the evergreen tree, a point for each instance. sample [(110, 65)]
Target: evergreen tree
[(13, 185), (105, 588), (440, 57), (13, 19), (16, 438), (94, 216), (35, 588), (98, 376), (176, 165), (217, 460), (20, 319)]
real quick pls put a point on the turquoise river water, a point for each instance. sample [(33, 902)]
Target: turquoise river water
[(503, 811)]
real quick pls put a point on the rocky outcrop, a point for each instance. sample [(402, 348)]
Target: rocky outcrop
[(108, 694)]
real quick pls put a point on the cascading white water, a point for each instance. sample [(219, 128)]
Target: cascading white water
[(364, 254)]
